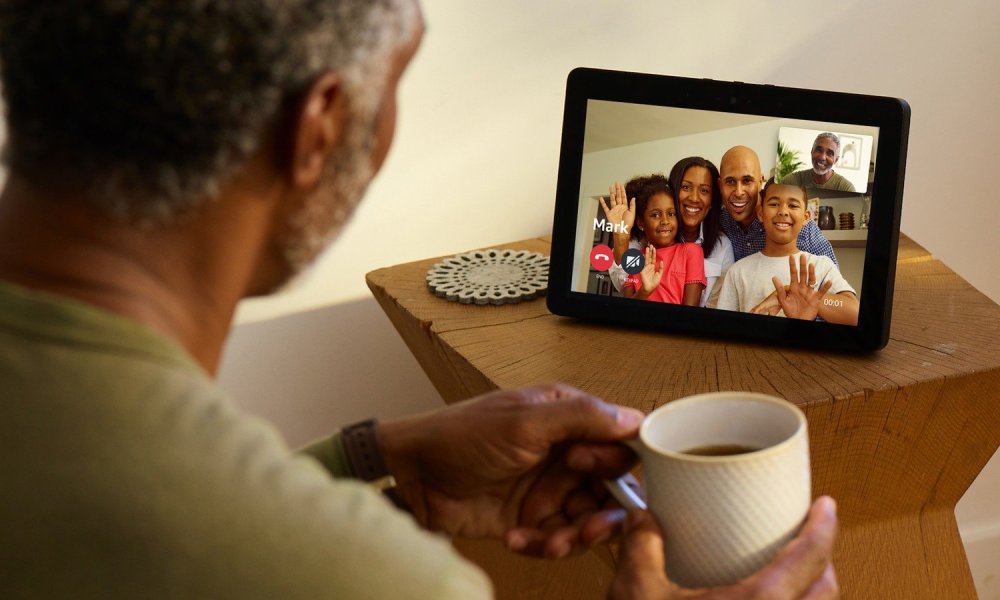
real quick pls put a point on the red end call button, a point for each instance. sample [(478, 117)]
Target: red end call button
[(601, 257)]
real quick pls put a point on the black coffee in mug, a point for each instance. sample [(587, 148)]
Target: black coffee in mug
[(719, 450)]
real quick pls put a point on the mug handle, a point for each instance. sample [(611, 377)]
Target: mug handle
[(621, 492)]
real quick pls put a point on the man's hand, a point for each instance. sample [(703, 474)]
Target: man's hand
[(522, 465), (802, 570), (651, 273), (800, 301)]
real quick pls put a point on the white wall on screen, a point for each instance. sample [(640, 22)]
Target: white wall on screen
[(621, 164), (584, 242)]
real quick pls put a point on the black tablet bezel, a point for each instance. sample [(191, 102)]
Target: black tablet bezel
[(890, 115)]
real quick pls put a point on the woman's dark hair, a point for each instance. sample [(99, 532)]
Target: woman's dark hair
[(643, 188), (712, 225)]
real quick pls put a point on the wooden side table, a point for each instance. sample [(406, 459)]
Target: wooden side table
[(896, 436)]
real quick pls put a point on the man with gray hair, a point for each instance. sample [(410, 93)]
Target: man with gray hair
[(825, 153), (167, 158)]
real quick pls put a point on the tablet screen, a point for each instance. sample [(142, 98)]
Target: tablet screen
[(730, 210), (825, 166)]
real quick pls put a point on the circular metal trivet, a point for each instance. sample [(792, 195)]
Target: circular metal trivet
[(490, 276)]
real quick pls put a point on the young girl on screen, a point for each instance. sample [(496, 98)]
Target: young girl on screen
[(674, 271)]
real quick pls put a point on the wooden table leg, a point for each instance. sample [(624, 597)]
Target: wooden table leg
[(898, 461)]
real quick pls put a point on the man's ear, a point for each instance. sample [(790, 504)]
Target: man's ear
[(317, 129)]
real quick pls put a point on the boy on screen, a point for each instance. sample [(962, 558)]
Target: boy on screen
[(782, 280)]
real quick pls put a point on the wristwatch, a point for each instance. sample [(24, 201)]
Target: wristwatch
[(360, 441)]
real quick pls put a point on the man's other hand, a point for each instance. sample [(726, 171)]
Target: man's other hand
[(802, 570), (524, 466)]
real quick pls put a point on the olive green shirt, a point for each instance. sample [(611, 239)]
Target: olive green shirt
[(804, 178), (126, 473)]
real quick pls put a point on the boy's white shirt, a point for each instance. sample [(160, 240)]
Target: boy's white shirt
[(748, 282)]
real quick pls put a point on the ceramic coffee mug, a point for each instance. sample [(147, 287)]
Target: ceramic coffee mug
[(725, 514)]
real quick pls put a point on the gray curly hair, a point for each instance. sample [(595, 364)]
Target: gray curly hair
[(148, 107), (829, 136)]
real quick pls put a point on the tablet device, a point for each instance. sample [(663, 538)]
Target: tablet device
[(686, 153)]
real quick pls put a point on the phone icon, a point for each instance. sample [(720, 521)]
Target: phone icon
[(601, 258)]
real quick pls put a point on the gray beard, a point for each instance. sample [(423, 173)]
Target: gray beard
[(345, 179), (331, 205), (350, 168)]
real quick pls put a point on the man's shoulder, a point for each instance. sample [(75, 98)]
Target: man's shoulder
[(811, 238), (796, 177), (822, 262), (209, 499), (840, 183)]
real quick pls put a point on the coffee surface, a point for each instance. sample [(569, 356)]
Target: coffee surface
[(719, 450)]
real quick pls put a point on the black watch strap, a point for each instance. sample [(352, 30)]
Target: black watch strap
[(360, 441)]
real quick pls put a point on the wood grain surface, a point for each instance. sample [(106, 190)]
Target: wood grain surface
[(896, 436)]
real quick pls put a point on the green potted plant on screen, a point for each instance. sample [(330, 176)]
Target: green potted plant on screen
[(788, 162)]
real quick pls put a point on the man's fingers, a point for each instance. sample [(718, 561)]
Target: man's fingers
[(585, 532), (641, 571), (602, 526), (603, 460), (549, 543), (642, 548), (580, 503), (803, 561), (804, 268), (825, 588), (573, 414), (548, 494), (812, 275), (561, 541), (525, 540)]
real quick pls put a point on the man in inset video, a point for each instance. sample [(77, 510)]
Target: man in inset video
[(825, 154)]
